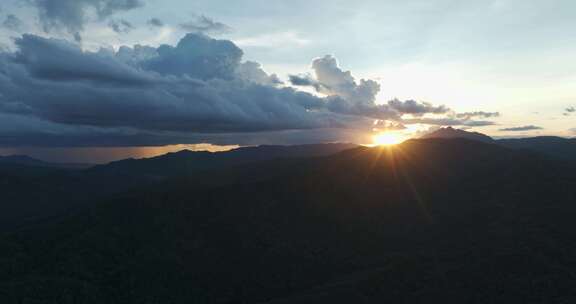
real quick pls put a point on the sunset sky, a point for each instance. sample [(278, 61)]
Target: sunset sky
[(99, 80)]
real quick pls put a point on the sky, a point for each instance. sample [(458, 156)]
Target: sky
[(98, 80)]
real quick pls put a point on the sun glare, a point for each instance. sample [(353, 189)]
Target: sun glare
[(387, 139)]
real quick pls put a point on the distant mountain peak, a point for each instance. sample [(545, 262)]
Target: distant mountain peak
[(450, 132)]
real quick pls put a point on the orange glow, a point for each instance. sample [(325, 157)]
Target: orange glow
[(101, 155), (387, 139)]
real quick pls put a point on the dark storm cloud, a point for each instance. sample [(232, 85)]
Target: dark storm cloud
[(523, 128), (120, 26), (345, 106), (26, 131), (193, 87), (205, 25), (57, 60), (54, 93), (12, 23), (73, 14), (155, 22)]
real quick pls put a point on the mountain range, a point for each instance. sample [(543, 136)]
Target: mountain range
[(33, 182), (431, 220)]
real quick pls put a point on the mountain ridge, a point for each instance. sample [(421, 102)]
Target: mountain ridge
[(185, 161), (450, 132), (551, 146), (26, 160)]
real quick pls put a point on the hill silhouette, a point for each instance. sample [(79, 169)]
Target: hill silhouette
[(29, 161), (550, 146), (430, 220), (190, 162), (451, 133)]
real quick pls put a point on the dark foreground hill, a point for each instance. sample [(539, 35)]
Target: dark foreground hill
[(33, 190), (435, 221)]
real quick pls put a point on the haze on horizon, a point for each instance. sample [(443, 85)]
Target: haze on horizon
[(103, 79)]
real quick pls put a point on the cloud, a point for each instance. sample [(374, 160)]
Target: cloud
[(120, 26), (416, 108), (482, 114), (447, 121), (573, 130), (57, 61), (272, 40), (199, 86), (344, 94), (523, 128), (26, 131), (333, 81), (205, 25), (384, 125), (73, 14), (197, 56), (12, 23), (478, 123), (347, 96), (571, 109), (253, 72), (304, 80), (77, 37), (155, 22), (200, 90)]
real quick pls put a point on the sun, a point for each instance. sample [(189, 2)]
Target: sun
[(387, 139)]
